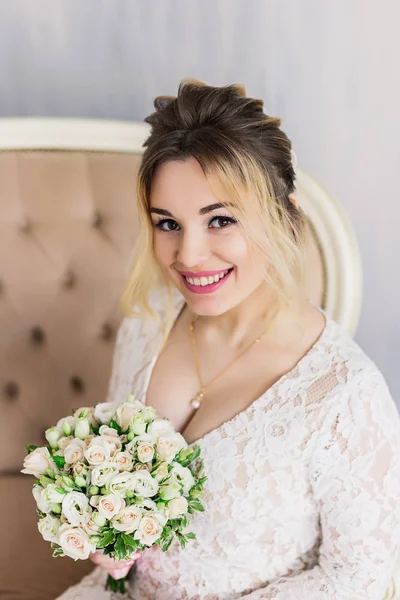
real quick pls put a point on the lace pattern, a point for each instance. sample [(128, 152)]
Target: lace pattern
[(303, 492)]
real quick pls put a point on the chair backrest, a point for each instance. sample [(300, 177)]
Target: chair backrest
[(67, 229)]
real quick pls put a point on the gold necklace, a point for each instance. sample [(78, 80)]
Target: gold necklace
[(198, 398)]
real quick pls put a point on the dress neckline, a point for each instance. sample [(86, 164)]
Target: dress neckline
[(265, 395)]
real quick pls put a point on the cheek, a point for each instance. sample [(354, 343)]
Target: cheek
[(164, 249)]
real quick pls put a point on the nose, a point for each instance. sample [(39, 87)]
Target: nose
[(193, 250)]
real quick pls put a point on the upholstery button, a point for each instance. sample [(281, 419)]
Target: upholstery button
[(10, 390), (77, 384), (106, 332), (25, 226), (97, 220), (68, 279), (37, 335)]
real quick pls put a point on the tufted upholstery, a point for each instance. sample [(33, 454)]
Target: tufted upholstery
[(67, 227)]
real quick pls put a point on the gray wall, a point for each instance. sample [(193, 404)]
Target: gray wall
[(330, 69)]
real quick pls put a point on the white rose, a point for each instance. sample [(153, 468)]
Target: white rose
[(145, 452), (110, 505), (150, 528), (123, 460), (138, 425), (128, 519), (105, 411), (121, 482), (82, 428), (161, 426), (42, 502), (75, 507), (103, 473), (110, 431), (49, 527), (52, 495), (183, 476), (125, 412), (143, 484), (75, 542), (52, 435), (161, 472), (168, 492), (177, 507), (148, 414), (98, 452), (74, 452), (64, 442), (67, 425), (169, 446), (88, 439), (37, 462)]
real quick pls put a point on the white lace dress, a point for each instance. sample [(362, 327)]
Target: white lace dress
[(303, 492)]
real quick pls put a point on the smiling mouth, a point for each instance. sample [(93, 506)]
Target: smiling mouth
[(204, 281)]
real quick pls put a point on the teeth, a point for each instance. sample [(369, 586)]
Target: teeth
[(202, 281)]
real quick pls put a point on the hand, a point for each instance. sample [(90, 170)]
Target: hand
[(116, 568)]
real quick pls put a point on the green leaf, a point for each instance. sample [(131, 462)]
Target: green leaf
[(58, 552), (120, 548), (182, 541), (196, 505), (95, 430), (59, 461), (130, 543), (30, 448), (190, 535), (167, 543), (106, 539), (115, 426)]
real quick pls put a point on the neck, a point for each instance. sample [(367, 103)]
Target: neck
[(246, 321)]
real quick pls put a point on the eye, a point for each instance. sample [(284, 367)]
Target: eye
[(167, 225), (221, 222)]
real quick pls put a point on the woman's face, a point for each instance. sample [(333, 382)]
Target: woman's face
[(198, 243)]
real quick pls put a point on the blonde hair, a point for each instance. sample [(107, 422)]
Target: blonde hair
[(247, 161)]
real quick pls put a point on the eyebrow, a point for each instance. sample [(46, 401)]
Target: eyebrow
[(202, 211)]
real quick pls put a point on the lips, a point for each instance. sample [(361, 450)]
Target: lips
[(205, 282)]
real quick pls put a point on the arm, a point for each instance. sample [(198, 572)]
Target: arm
[(355, 475)]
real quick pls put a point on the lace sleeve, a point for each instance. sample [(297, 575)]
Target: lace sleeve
[(355, 476)]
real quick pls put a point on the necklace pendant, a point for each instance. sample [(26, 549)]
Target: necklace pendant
[(196, 401)]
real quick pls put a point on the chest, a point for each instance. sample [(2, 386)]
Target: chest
[(235, 384)]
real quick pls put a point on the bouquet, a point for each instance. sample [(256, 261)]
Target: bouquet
[(116, 479)]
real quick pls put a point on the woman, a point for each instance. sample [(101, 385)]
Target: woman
[(299, 433)]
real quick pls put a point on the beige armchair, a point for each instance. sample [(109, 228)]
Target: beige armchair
[(67, 228)]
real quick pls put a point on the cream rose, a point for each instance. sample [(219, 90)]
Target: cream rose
[(49, 527), (150, 528), (90, 527), (143, 484), (102, 474), (75, 452), (75, 507), (75, 542), (168, 446), (37, 462), (145, 452), (128, 519), (64, 442), (105, 411), (98, 452), (183, 476), (177, 507), (110, 505), (123, 460), (125, 413), (161, 472)]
